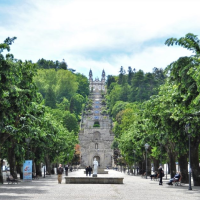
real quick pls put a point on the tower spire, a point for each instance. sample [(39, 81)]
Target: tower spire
[(90, 74), (103, 75)]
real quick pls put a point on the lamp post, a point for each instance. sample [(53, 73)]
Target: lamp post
[(187, 126), (28, 141), (44, 170), (146, 147), (57, 159)]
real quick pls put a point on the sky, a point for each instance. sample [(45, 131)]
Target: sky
[(99, 34)]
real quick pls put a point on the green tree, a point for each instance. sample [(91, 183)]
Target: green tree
[(76, 104), (182, 73), (122, 73), (17, 92), (50, 98), (70, 122), (83, 85)]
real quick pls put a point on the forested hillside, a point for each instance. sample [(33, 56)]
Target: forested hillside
[(161, 111), (134, 86)]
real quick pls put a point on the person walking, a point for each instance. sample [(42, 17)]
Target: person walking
[(160, 170), (89, 170), (66, 170), (86, 170), (60, 172)]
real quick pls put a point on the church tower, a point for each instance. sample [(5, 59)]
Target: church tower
[(96, 84), (96, 137)]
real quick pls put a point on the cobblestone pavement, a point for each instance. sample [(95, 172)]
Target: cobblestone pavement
[(134, 187)]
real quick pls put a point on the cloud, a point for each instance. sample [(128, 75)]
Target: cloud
[(99, 34)]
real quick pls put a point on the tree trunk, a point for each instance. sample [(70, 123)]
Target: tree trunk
[(148, 167), (172, 163), (48, 165), (1, 173), (141, 167), (183, 162), (38, 170), (195, 162), (169, 170), (12, 161), (156, 164), (19, 171)]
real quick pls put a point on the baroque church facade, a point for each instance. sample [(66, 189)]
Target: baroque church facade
[(96, 137)]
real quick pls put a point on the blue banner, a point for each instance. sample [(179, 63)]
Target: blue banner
[(27, 170)]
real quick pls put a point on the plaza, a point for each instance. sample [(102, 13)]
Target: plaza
[(134, 187)]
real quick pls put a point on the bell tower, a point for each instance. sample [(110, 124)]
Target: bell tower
[(103, 76)]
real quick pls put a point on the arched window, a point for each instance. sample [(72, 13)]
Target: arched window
[(96, 146)]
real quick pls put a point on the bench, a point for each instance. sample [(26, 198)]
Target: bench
[(155, 177), (12, 180), (177, 182)]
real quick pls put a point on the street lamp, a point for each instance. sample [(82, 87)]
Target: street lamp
[(28, 141), (146, 147), (187, 126), (57, 158)]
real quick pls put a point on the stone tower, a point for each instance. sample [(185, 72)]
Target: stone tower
[(96, 137)]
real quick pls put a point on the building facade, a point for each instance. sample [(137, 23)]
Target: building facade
[(96, 137)]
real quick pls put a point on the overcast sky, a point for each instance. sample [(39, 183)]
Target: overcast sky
[(99, 34)]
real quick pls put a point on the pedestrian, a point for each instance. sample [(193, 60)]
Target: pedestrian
[(60, 172), (71, 169), (137, 170), (66, 170), (87, 170), (160, 171)]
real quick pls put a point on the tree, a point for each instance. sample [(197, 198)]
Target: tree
[(70, 122), (76, 104), (50, 98), (130, 75), (63, 65), (83, 85), (121, 79), (66, 85), (17, 92), (182, 74)]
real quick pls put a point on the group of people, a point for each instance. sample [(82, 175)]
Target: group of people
[(160, 174), (88, 170)]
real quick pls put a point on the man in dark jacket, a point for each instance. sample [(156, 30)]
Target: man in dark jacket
[(60, 172), (66, 170), (160, 171), (89, 170), (86, 170)]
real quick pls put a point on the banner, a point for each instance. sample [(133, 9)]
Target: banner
[(27, 170)]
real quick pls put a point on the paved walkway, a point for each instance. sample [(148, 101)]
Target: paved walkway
[(134, 187)]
